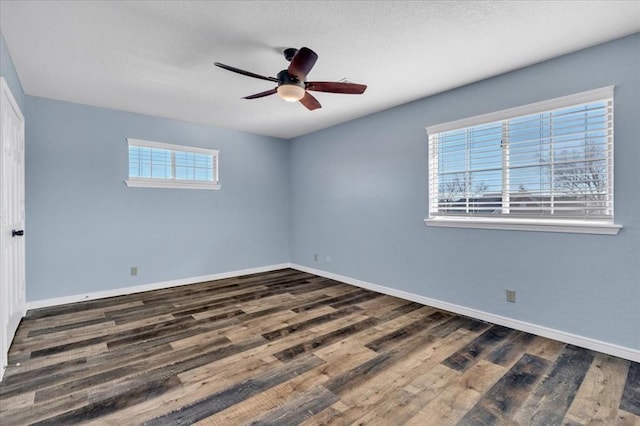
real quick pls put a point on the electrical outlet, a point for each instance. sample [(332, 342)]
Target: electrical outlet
[(328, 259), (134, 271), (511, 296), (315, 257)]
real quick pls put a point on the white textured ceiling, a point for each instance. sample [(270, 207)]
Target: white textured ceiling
[(156, 57)]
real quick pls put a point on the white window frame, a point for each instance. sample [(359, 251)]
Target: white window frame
[(607, 227), (140, 182)]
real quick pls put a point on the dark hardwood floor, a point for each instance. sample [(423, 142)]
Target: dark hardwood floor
[(286, 348)]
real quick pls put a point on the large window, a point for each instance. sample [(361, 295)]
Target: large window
[(161, 165), (545, 166)]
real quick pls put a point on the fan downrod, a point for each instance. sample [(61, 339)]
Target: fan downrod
[(289, 53)]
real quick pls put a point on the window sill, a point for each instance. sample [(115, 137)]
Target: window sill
[(576, 227), (158, 183)]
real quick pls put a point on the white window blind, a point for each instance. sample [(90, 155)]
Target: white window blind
[(161, 165), (547, 161)]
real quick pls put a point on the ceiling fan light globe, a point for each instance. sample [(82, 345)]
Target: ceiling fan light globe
[(291, 92)]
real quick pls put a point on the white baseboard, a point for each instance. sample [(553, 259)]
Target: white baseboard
[(585, 342), (573, 339), (152, 286)]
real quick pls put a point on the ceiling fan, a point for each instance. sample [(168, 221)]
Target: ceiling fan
[(292, 83)]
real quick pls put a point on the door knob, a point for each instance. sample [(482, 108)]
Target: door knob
[(18, 233)]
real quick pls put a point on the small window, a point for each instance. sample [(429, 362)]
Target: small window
[(546, 166), (161, 165)]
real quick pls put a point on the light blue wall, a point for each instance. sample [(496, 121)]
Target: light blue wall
[(359, 195), (356, 192), (85, 228), (8, 71)]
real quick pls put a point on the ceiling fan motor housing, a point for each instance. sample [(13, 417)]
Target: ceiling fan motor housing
[(285, 78)]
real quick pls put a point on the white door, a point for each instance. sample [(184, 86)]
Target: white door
[(12, 266)]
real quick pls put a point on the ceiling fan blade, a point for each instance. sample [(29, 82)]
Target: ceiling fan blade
[(261, 94), (336, 87), (243, 72), (302, 63), (310, 102)]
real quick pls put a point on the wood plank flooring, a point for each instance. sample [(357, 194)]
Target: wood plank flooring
[(288, 348)]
